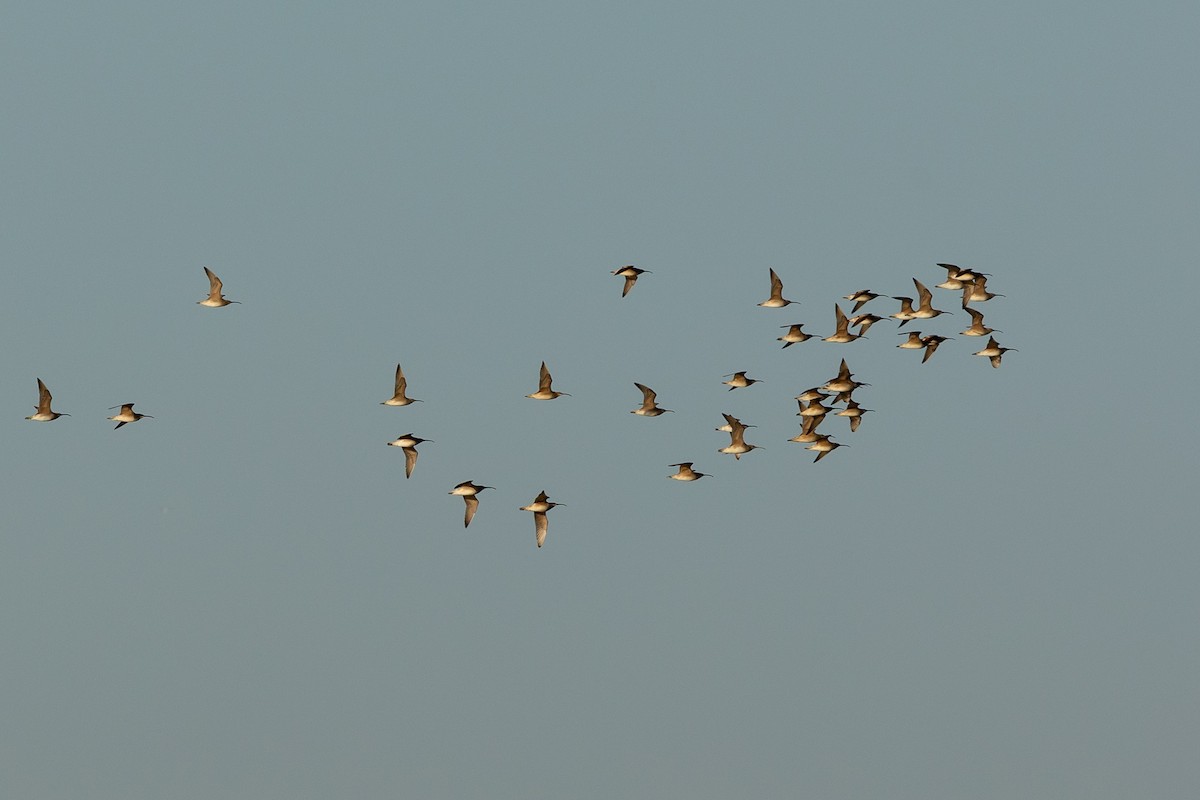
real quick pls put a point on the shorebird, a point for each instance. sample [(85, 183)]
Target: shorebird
[(855, 412), (961, 275), (776, 299), (977, 292), (823, 447), (925, 309), (843, 383), (930, 343), (794, 335), (686, 473), (994, 351), (842, 333), (467, 491), (737, 439), (649, 408), (630, 274), (813, 409), (864, 321), (811, 394), (544, 391), (977, 327), (738, 380), (44, 413), (808, 429), (913, 342), (540, 505), (861, 298), (732, 423), (408, 443), (215, 299), (956, 277), (127, 415), (399, 398), (906, 313)]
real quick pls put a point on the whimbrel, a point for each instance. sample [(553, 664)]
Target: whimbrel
[(925, 309), (540, 505), (823, 447), (913, 342), (977, 327), (215, 299), (738, 380), (127, 415), (44, 413), (737, 439), (400, 398), (467, 491), (686, 473), (630, 274), (864, 321), (732, 423), (408, 443), (977, 292), (795, 335), (931, 343), (855, 412), (544, 391), (860, 298), (906, 313), (994, 351), (648, 407), (776, 299), (842, 332)]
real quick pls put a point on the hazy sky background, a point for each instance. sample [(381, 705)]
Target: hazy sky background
[(992, 593)]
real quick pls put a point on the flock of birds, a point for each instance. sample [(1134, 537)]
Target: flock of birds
[(837, 390)]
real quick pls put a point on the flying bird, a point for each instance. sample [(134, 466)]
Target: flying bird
[(544, 391), (686, 473), (44, 413), (408, 443), (648, 408), (400, 398), (630, 274), (977, 327), (540, 505), (215, 299), (468, 490), (861, 298), (776, 299), (795, 335), (127, 415), (842, 333), (738, 380), (994, 351)]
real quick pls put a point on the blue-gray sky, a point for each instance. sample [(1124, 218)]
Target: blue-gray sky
[(991, 593)]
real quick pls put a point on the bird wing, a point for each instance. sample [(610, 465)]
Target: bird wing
[(630, 280), (44, 398), (401, 382), (923, 294), (648, 395), (544, 379), (540, 525), (472, 505), (214, 283), (410, 460)]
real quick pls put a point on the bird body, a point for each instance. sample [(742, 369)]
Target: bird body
[(738, 380), (794, 335)]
